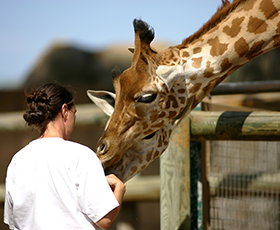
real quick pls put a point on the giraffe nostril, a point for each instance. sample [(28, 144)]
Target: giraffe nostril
[(102, 148)]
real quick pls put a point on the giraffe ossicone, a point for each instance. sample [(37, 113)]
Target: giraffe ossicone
[(162, 86)]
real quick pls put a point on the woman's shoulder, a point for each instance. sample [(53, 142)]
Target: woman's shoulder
[(59, 145), (77, 145), (81, 149)]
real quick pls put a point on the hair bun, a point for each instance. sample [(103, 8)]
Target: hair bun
[(34, 117), (38, 103)]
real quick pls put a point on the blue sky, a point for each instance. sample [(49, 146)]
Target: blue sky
[(29, 27)]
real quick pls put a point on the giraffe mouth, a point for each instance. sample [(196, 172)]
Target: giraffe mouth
[(149, 136)]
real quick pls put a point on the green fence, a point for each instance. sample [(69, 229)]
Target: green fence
[(175, 162)]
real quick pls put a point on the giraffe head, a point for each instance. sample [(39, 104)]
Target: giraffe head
[(145, 106), (161, 87)]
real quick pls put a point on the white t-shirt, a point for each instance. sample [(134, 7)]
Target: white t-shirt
[(56, 184)]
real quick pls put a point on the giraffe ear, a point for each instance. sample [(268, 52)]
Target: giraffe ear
[(103, 99), (170, 74)]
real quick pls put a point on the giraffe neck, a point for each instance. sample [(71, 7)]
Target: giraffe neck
[(248, 31)]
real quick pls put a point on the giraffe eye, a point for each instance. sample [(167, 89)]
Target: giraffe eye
[(147, 98), (150, 136)]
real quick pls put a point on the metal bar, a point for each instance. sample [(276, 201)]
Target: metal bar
[(205, 188), (246, 87)]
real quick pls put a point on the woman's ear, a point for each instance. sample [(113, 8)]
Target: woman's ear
[(64, 111)]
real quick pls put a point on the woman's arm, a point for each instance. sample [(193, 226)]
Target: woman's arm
[(118, 189)]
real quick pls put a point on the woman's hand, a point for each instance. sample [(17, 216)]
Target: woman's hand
[(116, 185)]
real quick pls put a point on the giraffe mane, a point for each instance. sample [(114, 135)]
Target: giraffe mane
[(222, 12)]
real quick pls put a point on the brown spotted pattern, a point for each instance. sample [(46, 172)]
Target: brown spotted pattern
[(217, 48), (197, 62), (197, 50), (209, 71), (256, 25), (235, 28), (269, 10), (225, 65), (248, 6), (241, 47)]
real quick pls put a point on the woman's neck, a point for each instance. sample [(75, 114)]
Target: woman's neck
[(53, 130)]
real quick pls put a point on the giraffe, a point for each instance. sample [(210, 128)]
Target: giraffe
[(162, 86)]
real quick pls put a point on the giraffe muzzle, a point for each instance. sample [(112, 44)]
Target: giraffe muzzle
[(104, 154)]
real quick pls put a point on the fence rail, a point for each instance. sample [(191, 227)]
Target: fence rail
[(246, 87), (139, 188), (87, 114), (255, 125)]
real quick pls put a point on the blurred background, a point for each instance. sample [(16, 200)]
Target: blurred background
[(32, 29), (78, 43)]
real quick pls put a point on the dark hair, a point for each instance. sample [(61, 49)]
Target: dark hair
[(45, 103)]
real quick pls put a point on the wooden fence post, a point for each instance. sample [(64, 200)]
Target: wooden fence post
[(175, 180)]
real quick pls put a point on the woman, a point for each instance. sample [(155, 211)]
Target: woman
[(53, 183)]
